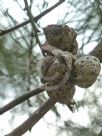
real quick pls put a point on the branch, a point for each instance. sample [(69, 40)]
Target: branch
[(33, 119), (100, 134), (97, 51), (33, 25), (3, 32), (21, 99)]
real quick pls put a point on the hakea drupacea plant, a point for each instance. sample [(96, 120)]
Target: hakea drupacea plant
[(64, 65), (61, 70)]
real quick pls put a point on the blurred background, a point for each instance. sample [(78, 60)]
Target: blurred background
[(20, 59)]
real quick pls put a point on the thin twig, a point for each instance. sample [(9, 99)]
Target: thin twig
[(100, 134), (14, 21), (33, 25), (33, 119), (3, 32), (21, 99), (19, 4)]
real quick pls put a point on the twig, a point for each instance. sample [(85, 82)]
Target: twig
[(19, 4), (14, 21), (100, 134), (97, 51), (3, 32), (33, 25), (33, 119), (21, 99), (30, 16)]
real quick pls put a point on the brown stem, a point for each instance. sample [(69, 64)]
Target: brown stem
[(100, 134), (21, 99), (97, 51), (33, 119), (3, 32), (33, 25)]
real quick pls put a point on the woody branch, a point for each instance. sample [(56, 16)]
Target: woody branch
[(3, 32), (33, 119)]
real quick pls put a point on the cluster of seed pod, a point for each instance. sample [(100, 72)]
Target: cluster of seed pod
[(61, 69)]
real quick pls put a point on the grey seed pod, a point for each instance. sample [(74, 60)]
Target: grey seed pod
[(57, 72), (64, 94), (62, 37), (85, 70), (45, 64)]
